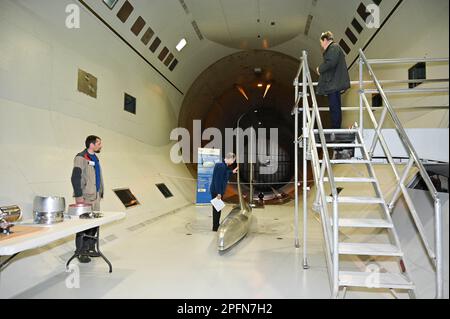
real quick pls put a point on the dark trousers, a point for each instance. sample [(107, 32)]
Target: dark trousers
[(334, 100), (83, 245), (216, 216)]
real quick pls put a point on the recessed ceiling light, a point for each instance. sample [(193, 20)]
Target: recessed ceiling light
[(268, 86), (260, 85), (181, 44), (242, 91)]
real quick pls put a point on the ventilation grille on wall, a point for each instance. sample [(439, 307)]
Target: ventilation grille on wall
[(139, 25), (364, 14), (308, 24), (377, 100), (130, 104), (197, 30), (185, 7), (417, 72), (164, 190), (126, 197)]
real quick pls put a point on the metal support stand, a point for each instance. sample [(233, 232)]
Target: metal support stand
[(97, 244)]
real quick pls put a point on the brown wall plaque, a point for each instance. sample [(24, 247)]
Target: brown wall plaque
[(138, 26), (173, 65), (87, 83), (163, 53), (125, 11), (168, 60), (155, 44), (147, 36)]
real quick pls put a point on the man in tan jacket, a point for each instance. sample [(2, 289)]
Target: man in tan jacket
[(87, 183)]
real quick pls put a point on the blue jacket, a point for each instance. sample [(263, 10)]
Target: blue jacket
[(221, 176)]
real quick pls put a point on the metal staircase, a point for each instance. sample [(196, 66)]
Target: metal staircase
[(318, 143)]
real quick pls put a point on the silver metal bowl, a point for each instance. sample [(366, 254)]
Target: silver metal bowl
[(50, 204), (48, 218), (79, 209)]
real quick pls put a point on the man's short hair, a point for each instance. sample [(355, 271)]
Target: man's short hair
[(91, 139), (328, 35), (230, 156)]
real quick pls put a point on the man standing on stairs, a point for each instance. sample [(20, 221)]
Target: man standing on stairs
[(333, 76), (88, 188)]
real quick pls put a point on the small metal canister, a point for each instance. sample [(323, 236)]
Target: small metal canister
[(10, 214)]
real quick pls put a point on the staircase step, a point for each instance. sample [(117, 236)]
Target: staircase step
[(364, 223), (348, 161), (338, 131), (364, 249), (342, 145), (351, 180), (374, 280), (356, 200)]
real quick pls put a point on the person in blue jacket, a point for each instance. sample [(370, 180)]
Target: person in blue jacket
[(221, 175)]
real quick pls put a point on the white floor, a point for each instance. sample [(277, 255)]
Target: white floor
[(176, 257)]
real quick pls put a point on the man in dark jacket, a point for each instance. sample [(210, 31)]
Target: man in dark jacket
[(221, 176), (87, 183), (334, 77)]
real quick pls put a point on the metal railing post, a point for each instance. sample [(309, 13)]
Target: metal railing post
[(414, 158), (361, 92), (401, 182), (305, 169), (296, 141), (335, 247), (439, 251)]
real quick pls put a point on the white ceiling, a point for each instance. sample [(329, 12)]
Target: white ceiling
[(230, 26), (234, 23)]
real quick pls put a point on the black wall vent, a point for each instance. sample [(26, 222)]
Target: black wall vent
[(358, 27), (173, 65), (164, 190), (363, 13), (351, 36), (130, 104), (344, 46), (126, 197), (377, 100), (185, 7), (417, 72), (197, 30), (155, 44), (308, 24)]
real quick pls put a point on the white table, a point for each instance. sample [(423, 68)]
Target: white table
[(12, 247)]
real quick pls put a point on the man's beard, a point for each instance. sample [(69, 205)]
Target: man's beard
[(98, 151)]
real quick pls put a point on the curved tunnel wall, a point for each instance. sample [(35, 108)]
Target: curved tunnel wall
[(44, 121)]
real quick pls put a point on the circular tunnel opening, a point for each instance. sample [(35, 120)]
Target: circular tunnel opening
[(234, 88), (273, 157)]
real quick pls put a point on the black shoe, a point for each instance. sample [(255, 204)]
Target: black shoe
[(84, 259), (93, 253)]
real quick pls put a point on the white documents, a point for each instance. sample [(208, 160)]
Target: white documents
[(218, 204)]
